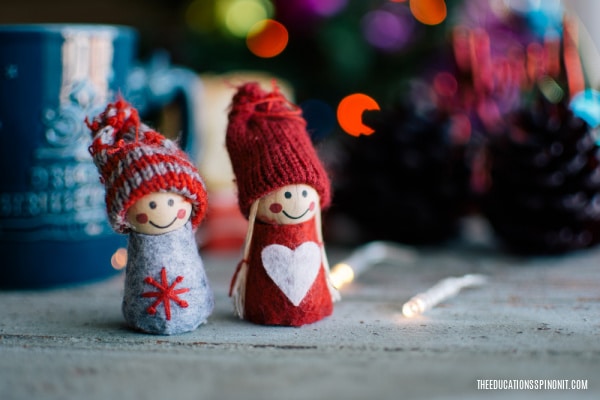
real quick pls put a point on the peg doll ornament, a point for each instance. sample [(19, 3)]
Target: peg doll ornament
[(155, 195), (283, 278)]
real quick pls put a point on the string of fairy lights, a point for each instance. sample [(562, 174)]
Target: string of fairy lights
[(374, 253)]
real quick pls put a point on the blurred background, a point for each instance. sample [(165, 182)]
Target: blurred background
[(334, 45), (424, 111)]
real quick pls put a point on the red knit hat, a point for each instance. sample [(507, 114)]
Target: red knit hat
[(133, 161), (270, 148)]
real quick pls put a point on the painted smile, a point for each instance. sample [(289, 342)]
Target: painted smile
[(299, 216), (163, 227)]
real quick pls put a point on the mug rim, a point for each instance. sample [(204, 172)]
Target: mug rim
[(61, 27)]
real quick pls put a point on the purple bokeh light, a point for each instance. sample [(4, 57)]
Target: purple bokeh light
[(388, 29), (325, 8)]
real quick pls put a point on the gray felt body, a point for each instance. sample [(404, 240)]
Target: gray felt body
[(178, 253)]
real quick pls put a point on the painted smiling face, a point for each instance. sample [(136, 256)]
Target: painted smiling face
[(291, 204), (158, 213)]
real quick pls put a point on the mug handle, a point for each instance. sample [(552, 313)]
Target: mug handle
[(153, 85)]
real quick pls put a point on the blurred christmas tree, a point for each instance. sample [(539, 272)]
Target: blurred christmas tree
[(335, 47), (453, 81)]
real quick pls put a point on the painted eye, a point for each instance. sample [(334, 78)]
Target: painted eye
[(171, 202), (288, 195), (152, 205), (304, 193)]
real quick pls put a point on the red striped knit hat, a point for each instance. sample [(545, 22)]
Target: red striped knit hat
[(134, 160), (270, 148)]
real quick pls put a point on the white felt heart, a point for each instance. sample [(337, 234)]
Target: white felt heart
[(293, 271)]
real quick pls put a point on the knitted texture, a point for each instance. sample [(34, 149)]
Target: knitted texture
[(269, 147), (134, 160)]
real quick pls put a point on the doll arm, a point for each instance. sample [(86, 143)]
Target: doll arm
[(335, 294), (238, 283), (238, 288)]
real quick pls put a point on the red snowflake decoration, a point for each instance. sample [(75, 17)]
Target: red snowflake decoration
[(166, 293)]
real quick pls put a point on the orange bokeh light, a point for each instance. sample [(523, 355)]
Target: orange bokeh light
[(429, 12), (119, 259), (267, 38), (350, 111)]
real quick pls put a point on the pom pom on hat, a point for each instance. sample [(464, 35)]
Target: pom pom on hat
[(270, 148), (134, 160)]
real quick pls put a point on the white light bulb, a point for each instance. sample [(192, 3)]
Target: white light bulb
[(368, 255), (441, 291)]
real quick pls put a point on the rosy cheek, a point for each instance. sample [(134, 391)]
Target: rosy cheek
[(275, 208), (181, 214), (311, 207), (141, 218)]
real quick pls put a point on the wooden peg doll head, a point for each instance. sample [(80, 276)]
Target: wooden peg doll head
[(270, 148), (159, 212), (290, 204), (135, 161)]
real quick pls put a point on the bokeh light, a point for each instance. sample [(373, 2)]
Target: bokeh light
[(341, 275), (325, 8), (119, 259), (586, 105), (237, 17), (445, 84), (350, 111), (429, 12), (267, 38), (545, 17), (388, 28), (460, 129), (551, 89)]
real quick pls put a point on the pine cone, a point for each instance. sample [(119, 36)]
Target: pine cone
[(406, 182), (544, 181)]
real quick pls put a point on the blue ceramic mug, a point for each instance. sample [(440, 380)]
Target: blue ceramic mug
[(53, 224)]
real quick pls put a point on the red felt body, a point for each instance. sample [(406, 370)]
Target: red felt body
[(265, 303)]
